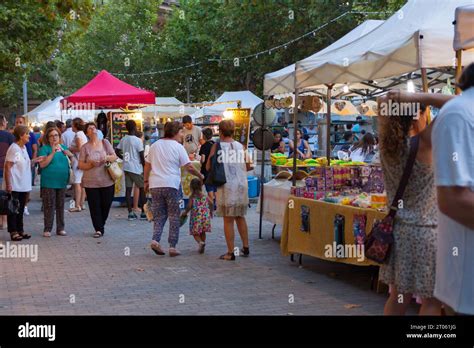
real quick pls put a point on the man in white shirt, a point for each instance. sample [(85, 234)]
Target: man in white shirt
[(131, 151), (68, 135), (453, 156)]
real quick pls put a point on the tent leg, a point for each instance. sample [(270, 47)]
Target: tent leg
[(262, 176), (424, 82), (328, 125), (458, 69), (295, 125)]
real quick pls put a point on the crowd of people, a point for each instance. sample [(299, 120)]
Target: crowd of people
[(431, 256), (77, 154)]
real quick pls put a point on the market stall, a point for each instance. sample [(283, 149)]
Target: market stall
[(334, 211), (307, 222), (107, 91), (409, 48)]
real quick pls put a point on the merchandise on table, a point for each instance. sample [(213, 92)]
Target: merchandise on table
[(360, 186)]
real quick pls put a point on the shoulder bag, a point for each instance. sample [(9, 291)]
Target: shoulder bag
[(72, 177), (378, 244), (113, 168), (216, 175)]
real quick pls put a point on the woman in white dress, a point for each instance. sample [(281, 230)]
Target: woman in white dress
[(232, 197), (79, 140)]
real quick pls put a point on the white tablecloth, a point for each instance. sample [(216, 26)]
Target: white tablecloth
[(276, 194)]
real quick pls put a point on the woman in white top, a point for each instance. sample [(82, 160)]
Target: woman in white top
[(232, 197), (79, 140), (162, 174), (17, 180)]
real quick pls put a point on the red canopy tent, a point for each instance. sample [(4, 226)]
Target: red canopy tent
[(107, 91)]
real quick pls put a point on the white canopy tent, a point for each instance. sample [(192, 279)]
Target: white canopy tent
[(50, 110), (419, 35), (283, 80), (247, 99), (168, 107)]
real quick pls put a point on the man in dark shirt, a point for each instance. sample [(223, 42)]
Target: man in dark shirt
[(204, 153), (6, 139)]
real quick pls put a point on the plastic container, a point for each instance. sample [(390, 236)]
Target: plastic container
[(254, 187)]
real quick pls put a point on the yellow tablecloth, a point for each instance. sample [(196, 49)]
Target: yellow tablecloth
[(294, 241)]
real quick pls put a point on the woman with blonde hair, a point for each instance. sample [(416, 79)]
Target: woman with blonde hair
[(411, 266)]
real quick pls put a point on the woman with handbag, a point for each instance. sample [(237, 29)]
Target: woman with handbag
[(411, 264), (17, 181), (99, 185), (232, 197), (54, 160)]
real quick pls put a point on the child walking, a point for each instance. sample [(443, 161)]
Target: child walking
[(201, 208)]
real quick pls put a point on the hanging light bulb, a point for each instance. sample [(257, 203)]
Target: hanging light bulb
[(346, 89), (410, 86)]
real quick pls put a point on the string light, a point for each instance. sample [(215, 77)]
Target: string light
[(253, 55)]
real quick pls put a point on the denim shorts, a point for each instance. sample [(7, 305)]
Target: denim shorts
[(210, 188)]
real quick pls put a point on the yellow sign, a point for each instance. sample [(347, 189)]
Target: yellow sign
[(241, 118)]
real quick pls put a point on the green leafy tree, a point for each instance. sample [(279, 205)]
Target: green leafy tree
[(226, 30), (120, 38), (30, 33)]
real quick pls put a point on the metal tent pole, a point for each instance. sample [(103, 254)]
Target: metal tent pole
[(262, 174), (458, 69), (328, 125), (295, 154)]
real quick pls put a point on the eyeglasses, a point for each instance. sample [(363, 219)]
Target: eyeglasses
[(53, 135)]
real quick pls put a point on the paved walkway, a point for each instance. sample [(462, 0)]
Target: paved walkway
[(80, 275)]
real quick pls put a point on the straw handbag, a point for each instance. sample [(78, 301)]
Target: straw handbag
[(114, 170)]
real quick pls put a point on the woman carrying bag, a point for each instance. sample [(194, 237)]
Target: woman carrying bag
[(232, 195), (410, 267), (99, 185), (17, 180), (54, 160)]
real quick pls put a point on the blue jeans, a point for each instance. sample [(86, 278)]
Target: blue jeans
[(165, 205)]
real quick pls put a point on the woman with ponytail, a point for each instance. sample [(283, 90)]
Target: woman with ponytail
[(411, 266)]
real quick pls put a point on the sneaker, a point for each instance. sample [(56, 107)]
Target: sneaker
[(143, 216), (47, 234), (156, 247), (61, 233), (173, 252), (26, 212), (131, 216)]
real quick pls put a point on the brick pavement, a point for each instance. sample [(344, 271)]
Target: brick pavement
[(101, 279)]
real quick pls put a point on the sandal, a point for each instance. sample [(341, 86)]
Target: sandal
[(47, 234), (202, 247), (97, 234), (25, 235), (156, 247), (15, 236), (245, 251), (173, 252), (227, 257), (75, 210)]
